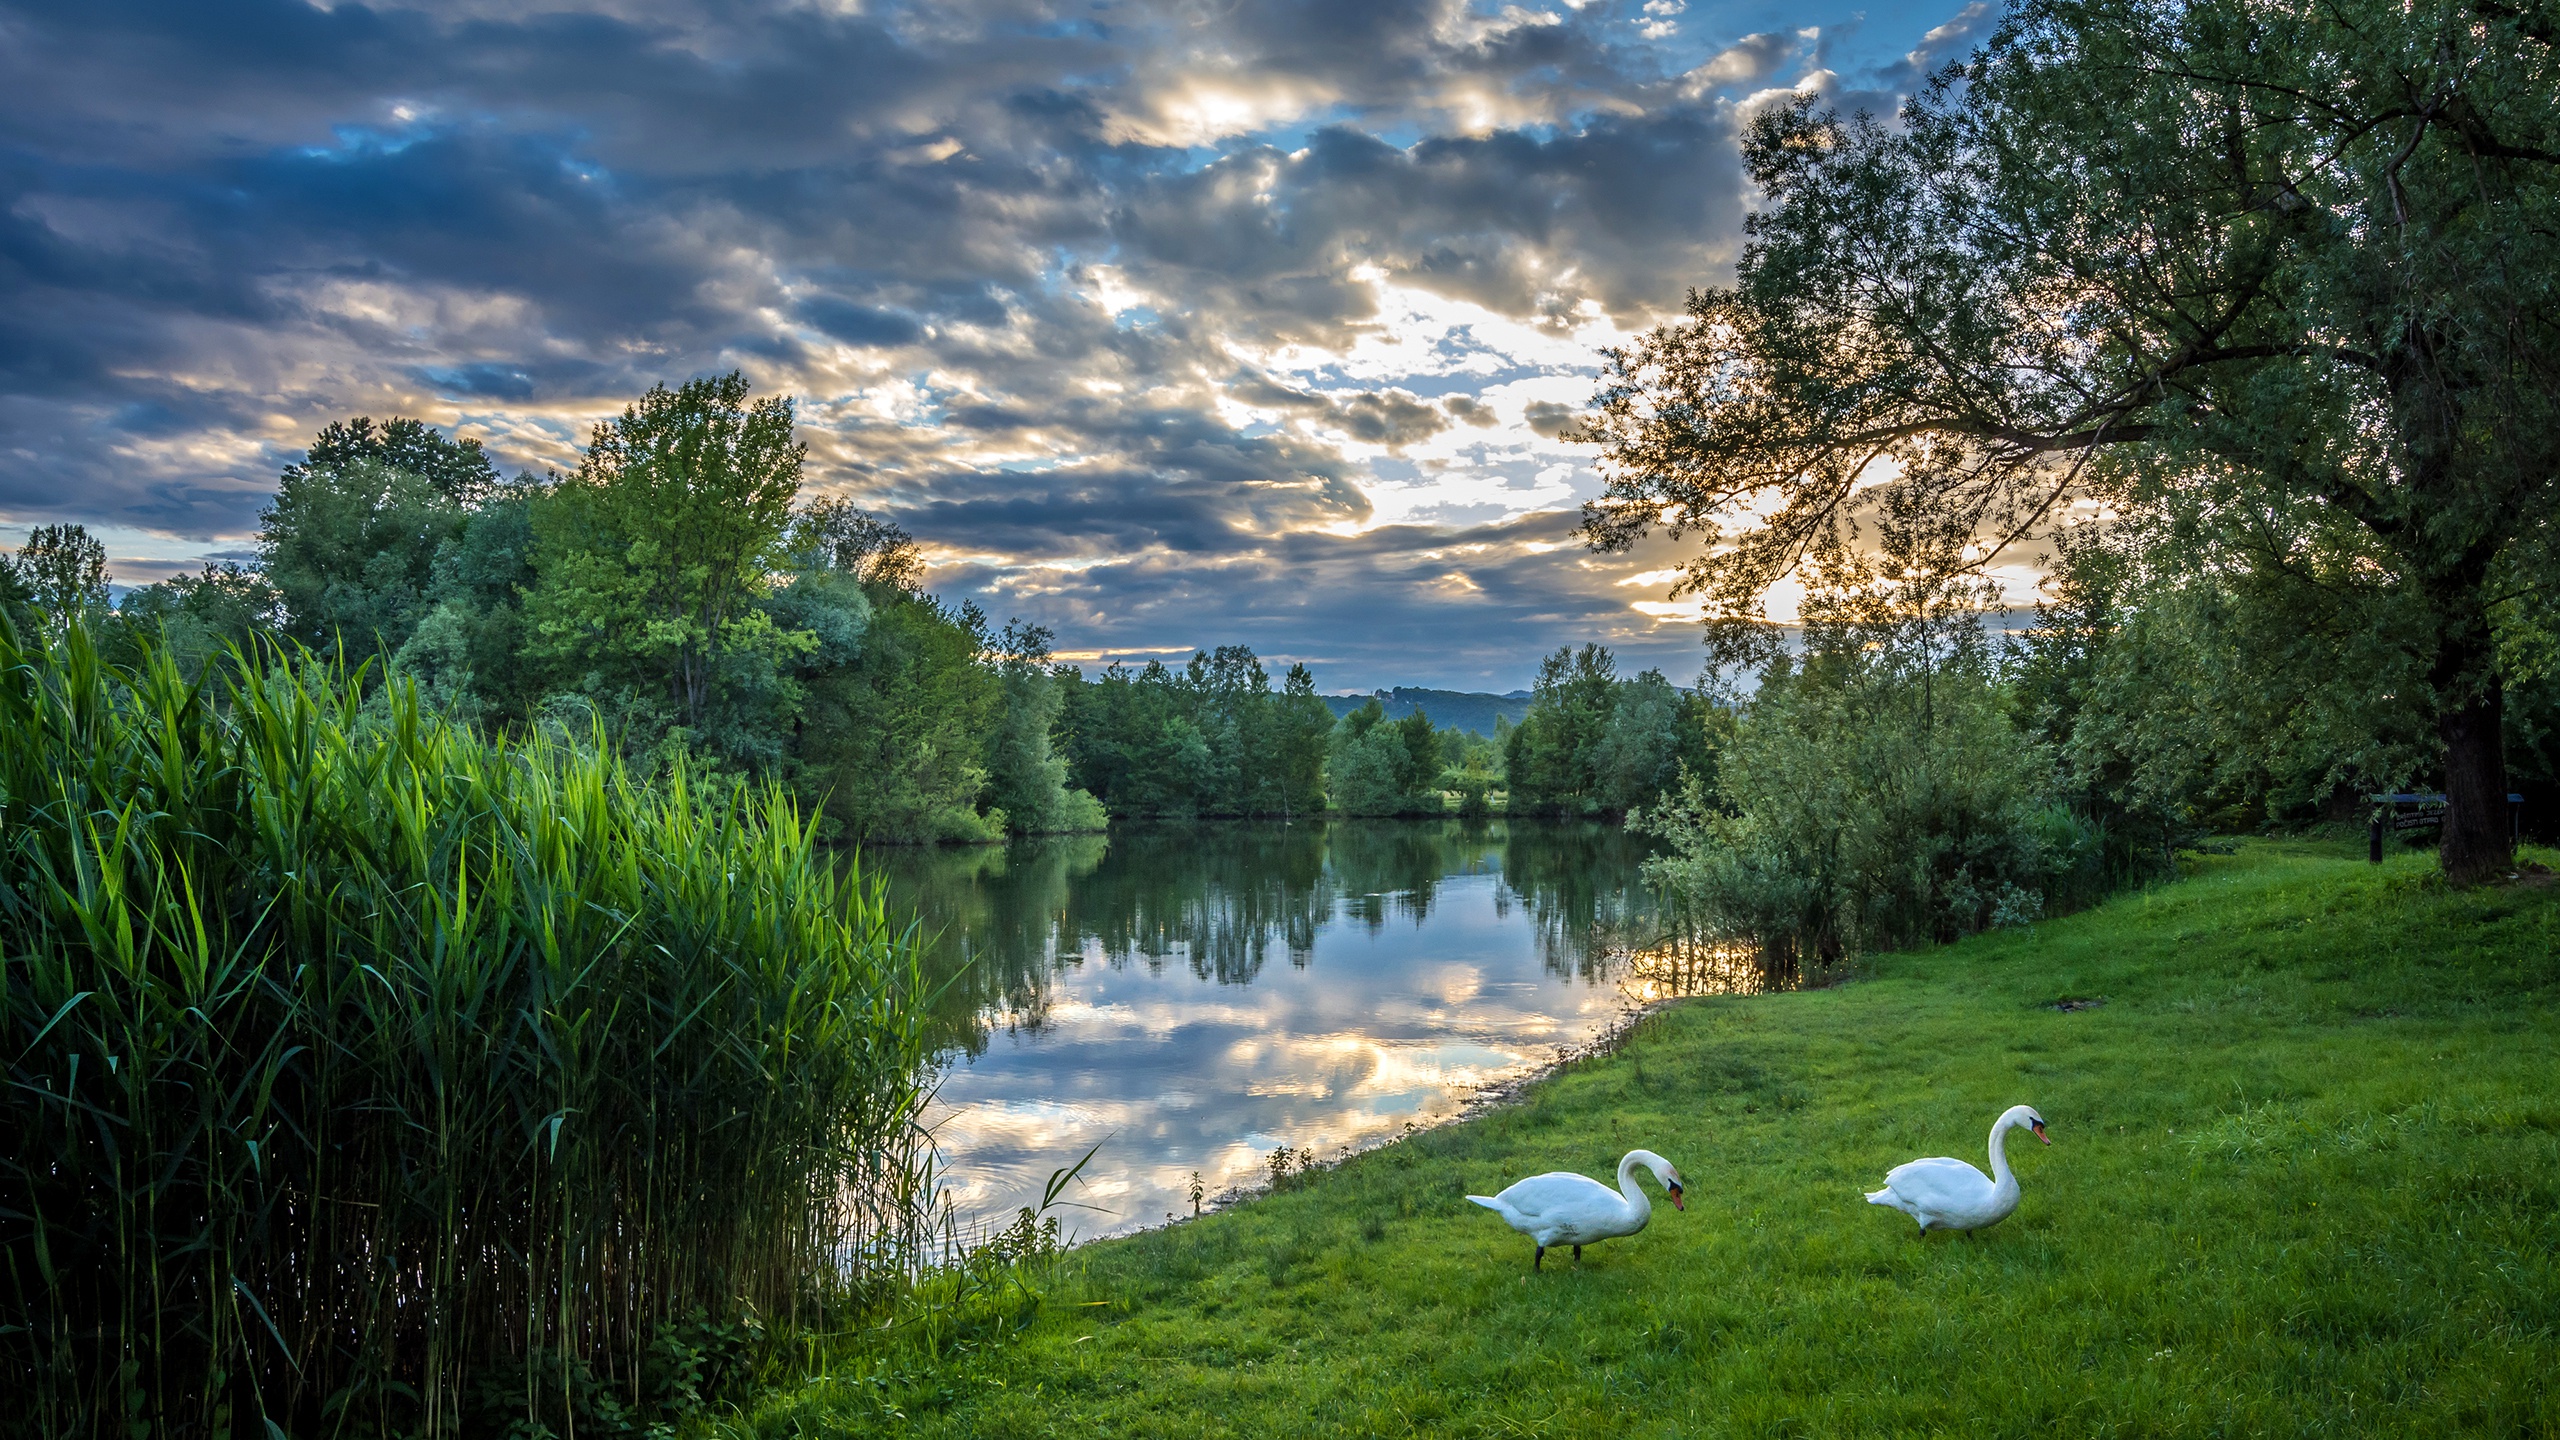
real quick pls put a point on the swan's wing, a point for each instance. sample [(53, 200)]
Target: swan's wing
[(1555, 1192), (1939, 1183)]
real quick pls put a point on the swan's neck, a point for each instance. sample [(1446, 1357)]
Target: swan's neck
[(1636, 1199), (2000, 1174)]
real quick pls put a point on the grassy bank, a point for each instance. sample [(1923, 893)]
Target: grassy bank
[(2305, 1179)]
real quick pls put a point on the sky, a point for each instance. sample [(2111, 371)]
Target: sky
[(1166, 325)]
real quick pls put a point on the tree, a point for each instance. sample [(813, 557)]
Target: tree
[(1551, 755), (62, 570), (832, 533), (2266, 260), (458, 469), (894, 745), (1300, 723), (197, 617), (1385, 767), (468, 654), (351, 546), (1653, 730), (1871, 790), (654, 557), (2185, 690), (17, 598), (1418, 769), (1026, 778), (1209, 739)]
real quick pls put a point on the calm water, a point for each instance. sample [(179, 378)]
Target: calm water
[(1190, 998)]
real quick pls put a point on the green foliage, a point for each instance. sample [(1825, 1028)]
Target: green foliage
[(1026, 779), (1593, 744), (1874, 792), (2302, 1183), (17, 597), (468, 655), (354, 1059), (2289, 266), (2187, 689), (687, 1367), (1364, 774), (893, 745), (1471, 769), (1210, 739), (458, 469), (351, 549), (59, 577), (653, 558), (671, 594), (1386, 767), (1653, 731), (198, 618), (831, 533)]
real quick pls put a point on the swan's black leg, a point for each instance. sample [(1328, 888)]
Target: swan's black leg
[(1540, 1261), (1577, 1254)]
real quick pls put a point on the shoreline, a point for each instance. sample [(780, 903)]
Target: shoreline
[(1478, 1101)]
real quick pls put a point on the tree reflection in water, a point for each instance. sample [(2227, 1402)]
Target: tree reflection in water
[(1221, 899), (1128, 991)]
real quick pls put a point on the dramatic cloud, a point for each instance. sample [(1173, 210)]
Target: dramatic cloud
[(1165, 323)]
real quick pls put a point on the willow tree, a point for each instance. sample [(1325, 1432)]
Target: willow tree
[(2294, 266)]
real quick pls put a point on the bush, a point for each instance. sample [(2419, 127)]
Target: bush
[(1839, 826), (1875, 792), (355, 1061)]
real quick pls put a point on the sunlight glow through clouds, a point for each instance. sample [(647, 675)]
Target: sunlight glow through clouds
[(1200, 296), (1423, 341)]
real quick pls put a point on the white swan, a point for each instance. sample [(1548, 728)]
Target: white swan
[(1562, 1208), (1944, 1194)]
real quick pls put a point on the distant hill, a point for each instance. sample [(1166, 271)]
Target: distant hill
[(1467, 710)]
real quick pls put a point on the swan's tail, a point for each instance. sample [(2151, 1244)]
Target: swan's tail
[(1487, 1202), (1881, 1197)]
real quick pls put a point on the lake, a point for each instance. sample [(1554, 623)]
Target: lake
[(1189, 998)]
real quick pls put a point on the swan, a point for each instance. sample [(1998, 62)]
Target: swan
[(1945, 1194), (1562, 1208)]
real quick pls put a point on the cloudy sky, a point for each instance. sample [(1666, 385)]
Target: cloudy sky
[(1166, 324)]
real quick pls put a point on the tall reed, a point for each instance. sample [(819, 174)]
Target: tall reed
[(355, 1059)]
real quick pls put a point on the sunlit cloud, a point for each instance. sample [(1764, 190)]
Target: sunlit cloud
[(1143, 320)]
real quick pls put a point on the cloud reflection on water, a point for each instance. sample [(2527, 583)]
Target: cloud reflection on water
[(1123, 993)]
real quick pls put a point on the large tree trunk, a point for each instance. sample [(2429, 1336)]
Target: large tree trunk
[(2478, 845)]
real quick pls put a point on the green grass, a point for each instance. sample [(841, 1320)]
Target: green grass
[(2305, 1180)]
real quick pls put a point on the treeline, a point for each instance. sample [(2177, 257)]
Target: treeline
[(1595, 744), (1215, 738), (680, 597)]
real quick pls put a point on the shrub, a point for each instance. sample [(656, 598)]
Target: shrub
[(1842, 822), (1873, 791)]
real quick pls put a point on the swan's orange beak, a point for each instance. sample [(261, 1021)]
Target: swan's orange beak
[(2039, 1129), (1675, 1199)]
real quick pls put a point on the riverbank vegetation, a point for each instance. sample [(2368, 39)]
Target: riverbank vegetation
[(2301, 1182), (1233, 903), (2260, 292), (371, 1075)]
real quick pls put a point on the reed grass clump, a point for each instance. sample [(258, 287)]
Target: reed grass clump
[(370, 1076)]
